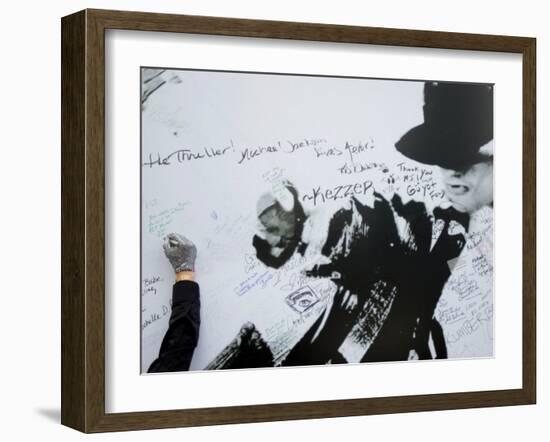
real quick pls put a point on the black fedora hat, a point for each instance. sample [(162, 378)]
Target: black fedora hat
[(458, 121)]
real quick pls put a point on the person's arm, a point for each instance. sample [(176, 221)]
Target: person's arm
[(178, 345)]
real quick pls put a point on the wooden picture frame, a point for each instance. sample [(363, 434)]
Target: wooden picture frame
[(83, 220)]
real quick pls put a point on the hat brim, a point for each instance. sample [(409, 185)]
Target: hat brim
[(425, 145)]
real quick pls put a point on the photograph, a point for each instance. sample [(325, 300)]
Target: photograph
[(299, 220)]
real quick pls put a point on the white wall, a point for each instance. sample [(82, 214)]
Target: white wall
[(30, 183)]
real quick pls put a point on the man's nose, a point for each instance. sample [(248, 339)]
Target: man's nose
[(450, 174), (456, 173)]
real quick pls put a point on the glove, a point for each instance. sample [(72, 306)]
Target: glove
[(180, 251)]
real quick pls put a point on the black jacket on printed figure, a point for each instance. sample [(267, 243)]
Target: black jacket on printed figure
[(397, 276)]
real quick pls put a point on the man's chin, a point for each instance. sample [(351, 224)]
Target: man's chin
[(469, 209), (460, 207)]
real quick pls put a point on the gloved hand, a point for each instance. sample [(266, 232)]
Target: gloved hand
[(180, 251)]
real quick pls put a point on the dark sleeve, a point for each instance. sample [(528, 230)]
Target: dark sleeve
[(178, 345)]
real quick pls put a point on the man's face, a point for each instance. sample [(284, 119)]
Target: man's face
[(469, 189), (278, 224)]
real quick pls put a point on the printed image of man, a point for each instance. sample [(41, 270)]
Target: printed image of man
[(389, 272)]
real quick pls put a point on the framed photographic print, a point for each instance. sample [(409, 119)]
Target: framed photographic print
[(271, 220)]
